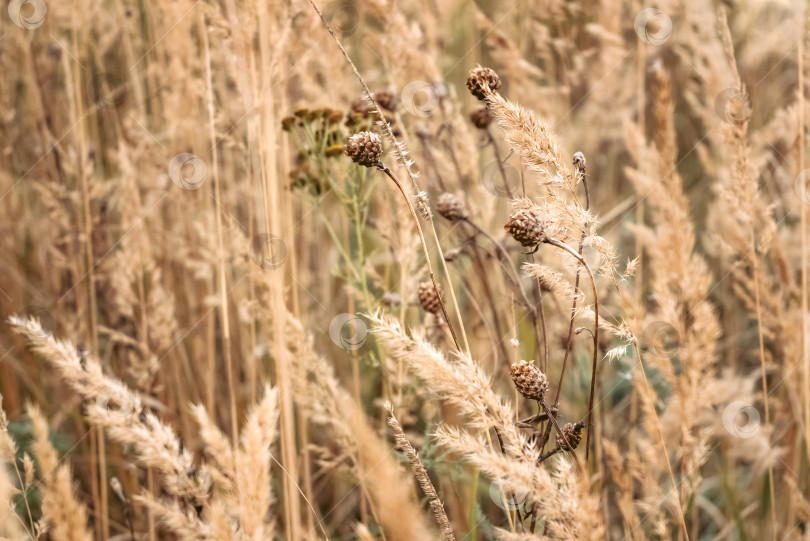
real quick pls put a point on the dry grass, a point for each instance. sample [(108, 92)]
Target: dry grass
[(562, 297)]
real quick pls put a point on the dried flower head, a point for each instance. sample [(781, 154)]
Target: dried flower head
[(386, 100), (364, 148), (526, 226), (451, 207), (429, 297), (422, 203), (579, 162), (361, 106), (482, 81), (481, 118), (334, 150), (452, 254), (529, 380), (572, 436)]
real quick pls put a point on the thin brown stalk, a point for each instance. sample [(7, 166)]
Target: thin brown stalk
[(221, 286), (387, 170), (595, 335), (568, 341)]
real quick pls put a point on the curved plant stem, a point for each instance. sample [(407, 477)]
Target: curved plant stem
[(511, 275), (385, 169), (574, 303), (582, 262)]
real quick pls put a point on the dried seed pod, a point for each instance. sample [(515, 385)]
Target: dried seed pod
[(573, 436), (481, 118), (529, 380), (335, 117), (386, 100), (451, 207), (361, 105), (452, 254), (287, 123), (482, 81), (429, 299), (364, 148), (579, 161), (526, 226)]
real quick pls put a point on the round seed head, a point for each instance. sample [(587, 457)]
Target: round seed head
[(452, 254), (481, 118), (364, 148), (482, 81), (428, 298), (450, 206), (526, 226), (579, 161), (361, 105), (387, 101), (529, 380), (573, 435)]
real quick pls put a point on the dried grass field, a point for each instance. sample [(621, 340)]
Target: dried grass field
[(386, 270)]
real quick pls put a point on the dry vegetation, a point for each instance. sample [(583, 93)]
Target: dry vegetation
[(284, 270)]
